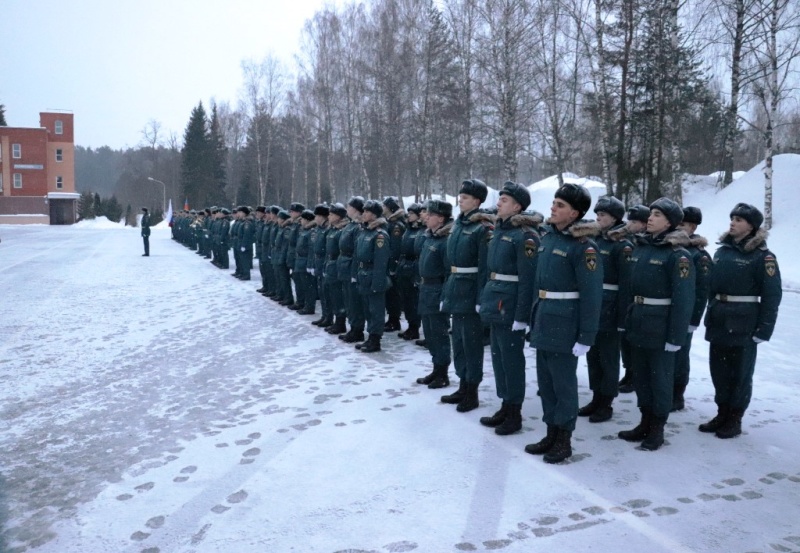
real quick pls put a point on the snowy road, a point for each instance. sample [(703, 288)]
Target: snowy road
[(155, 405)]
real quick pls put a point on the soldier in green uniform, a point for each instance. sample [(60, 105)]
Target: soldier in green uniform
[(199, 227), (269, 242), (744, 296), (407, 274), (692, 218), (333, 287), (145, 224), (280, 248), (434, 269), (348, 271), (466, 251), (303, 254), (371, 257), (637, 224), (603, 357), (316, 260), (396, 227), (234, 235), (507, 300), (295, 210), (213, 235), (258, 242), (225, 238), (662, 296), (569, 286), (245, 244)]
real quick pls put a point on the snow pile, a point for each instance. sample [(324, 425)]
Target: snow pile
[(101, 222)]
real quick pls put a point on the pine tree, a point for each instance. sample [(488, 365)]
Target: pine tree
[(197, 175), (219, 153), (3, 116), (86, 206)]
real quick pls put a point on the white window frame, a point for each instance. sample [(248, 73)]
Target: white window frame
[(59, 182), (59, 126), (18, 181), (59, 155), (16, 151)]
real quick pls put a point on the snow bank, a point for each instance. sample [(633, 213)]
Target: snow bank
[(101, 222)]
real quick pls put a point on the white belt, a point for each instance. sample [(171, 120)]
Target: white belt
[(454, 269), (652, 301), (614, 287), (506, 278), (547, 295), (743, 299)]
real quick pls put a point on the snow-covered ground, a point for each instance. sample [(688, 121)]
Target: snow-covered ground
[(155, 405)]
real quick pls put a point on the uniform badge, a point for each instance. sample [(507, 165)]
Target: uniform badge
[(626, 252), (530, 247), (770, 265), (397, 231), (590, 257), (705, 263), (379, 241), (683, 267)]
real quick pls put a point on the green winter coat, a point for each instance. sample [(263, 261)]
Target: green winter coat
[(467, 248)]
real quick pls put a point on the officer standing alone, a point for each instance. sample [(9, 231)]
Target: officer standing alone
[(145, 224)]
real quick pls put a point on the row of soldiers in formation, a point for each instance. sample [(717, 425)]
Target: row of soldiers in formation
[(608, 289)]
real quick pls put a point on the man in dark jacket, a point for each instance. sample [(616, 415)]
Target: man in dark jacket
[(744, 296), (145, 224), (407, 273), (396, 227), (372, 259)]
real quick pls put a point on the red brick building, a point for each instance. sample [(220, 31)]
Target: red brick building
[(37, 172)]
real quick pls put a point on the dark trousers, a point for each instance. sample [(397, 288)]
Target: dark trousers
[(435, 327), (392, 300), (146, 240), (246, 262), (283, 282), (237, 260), (334, 292), (603, 362), (625, 351), (508, 362), (224, 259), (732, 369), (409, 298), (374, 312), (653, 378), (311, 293), (467, 339), (557, 374), (355, 307), (267, 274), (298, 277), (682, 362)]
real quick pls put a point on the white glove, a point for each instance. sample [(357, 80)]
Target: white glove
[(758, 340), (672, 348), (580, 349), (242, 249), (517, 326), (620, 330), (478, 309), (692, 328), (353, 280), (441, 306)]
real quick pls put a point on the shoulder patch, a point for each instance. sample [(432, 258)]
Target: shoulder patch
[(683, 266), (398, 231), (770, 265), (705, 264), (379, 240), (590, 258), (530, 247)]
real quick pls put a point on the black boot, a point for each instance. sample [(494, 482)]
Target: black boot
[(590, 407), (732, 426), (678, 402), (326, 321), (543, 445), (428, 378), (496, 419), (392, 325), (338, 327), (470, 399), (372, 344), (421, 343), (441, 380), (561, 449), (513, 421), (306, 311), (626, 384), (604, 410), (456, 396), (717, 422), (318, 321), (352, 336), (655, 436), (411, 333), (640, 432)]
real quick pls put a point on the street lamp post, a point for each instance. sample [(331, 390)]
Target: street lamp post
[(164, 196)]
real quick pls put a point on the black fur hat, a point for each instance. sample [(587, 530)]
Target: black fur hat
[(322, 209), (639, 213), (440, 207), (670, 208), (283, 214), (475, 188), (692, 215), (415, 208), (307, 214), (611, 205), (749, 213), (338, 209), (297, 206), (261, 209), (357, 203), (577, 196), (518, 192), (374, 206), (391, 203), (274, 209), (244, 209)]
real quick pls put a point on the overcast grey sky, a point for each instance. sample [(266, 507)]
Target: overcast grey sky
[(116, 64)]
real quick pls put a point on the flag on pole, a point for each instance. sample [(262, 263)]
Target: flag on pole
[(168, 215), (186, 204)]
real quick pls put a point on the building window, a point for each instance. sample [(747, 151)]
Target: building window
[(59, 126), (59, 182), (17, 180), (16, 151), (59, 154)]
